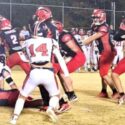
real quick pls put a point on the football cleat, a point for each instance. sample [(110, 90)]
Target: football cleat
[(115, 96), (103, 95), (64, 107), (73, 98), (121, 100)]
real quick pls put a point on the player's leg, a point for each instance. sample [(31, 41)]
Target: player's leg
[(64, 106), (72, 65), (25, 66), (54, 92), (24, 93), (6, 73), (103, 93), (1, 83), (12, 60), (120, 69), (104, 66)]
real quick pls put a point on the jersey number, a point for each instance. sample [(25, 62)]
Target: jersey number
[(14, 39), (118, 43), (41, 48)]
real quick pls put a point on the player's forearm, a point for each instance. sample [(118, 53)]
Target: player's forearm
[(91, 38), (62, 63)]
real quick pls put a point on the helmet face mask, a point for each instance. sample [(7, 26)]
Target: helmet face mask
[(98, 16), (43, 14)]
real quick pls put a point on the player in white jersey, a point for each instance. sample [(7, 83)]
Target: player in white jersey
[(87, 51), (40, 51), (119, 46), (94, 56)]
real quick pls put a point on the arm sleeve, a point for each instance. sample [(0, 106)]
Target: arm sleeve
[(61, 62)]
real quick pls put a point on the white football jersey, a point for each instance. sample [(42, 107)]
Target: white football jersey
[(40, 49)]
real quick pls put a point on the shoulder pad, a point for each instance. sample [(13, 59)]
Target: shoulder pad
[(103, 29), (66, 38)]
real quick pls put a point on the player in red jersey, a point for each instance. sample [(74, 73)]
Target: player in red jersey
[(73, 55), (106, 49), (9, 97), (120, 67)]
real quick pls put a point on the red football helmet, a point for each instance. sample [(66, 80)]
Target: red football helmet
[(122, 26), (99, 16), (43, 13), (5, 24), (58, 25)]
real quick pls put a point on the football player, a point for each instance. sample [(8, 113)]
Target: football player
[(44, 27), (40, 51), (10, 37), (5, 73), (119, 69), (106, 49), (73, 55)]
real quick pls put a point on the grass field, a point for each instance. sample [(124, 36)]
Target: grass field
[(88, 110)]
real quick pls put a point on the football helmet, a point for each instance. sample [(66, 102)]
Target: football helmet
[(5, 24), (122, 24), (98, 16), (43, 14), (58, 25)]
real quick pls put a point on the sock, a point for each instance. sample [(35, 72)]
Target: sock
[(45, 95), (54, 102), (104, 90), (114, 90), (62, 101), (19, 106), (71, 93)]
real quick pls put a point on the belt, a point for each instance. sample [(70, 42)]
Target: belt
[(51, 69), (40, 63)]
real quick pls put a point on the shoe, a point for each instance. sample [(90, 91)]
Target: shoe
[(94, 69), (72, 98), (89, 69), (115, 96), (50, 112), (14, 120), (103, 95), (64, 107), (121, 100), (43, 108)]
